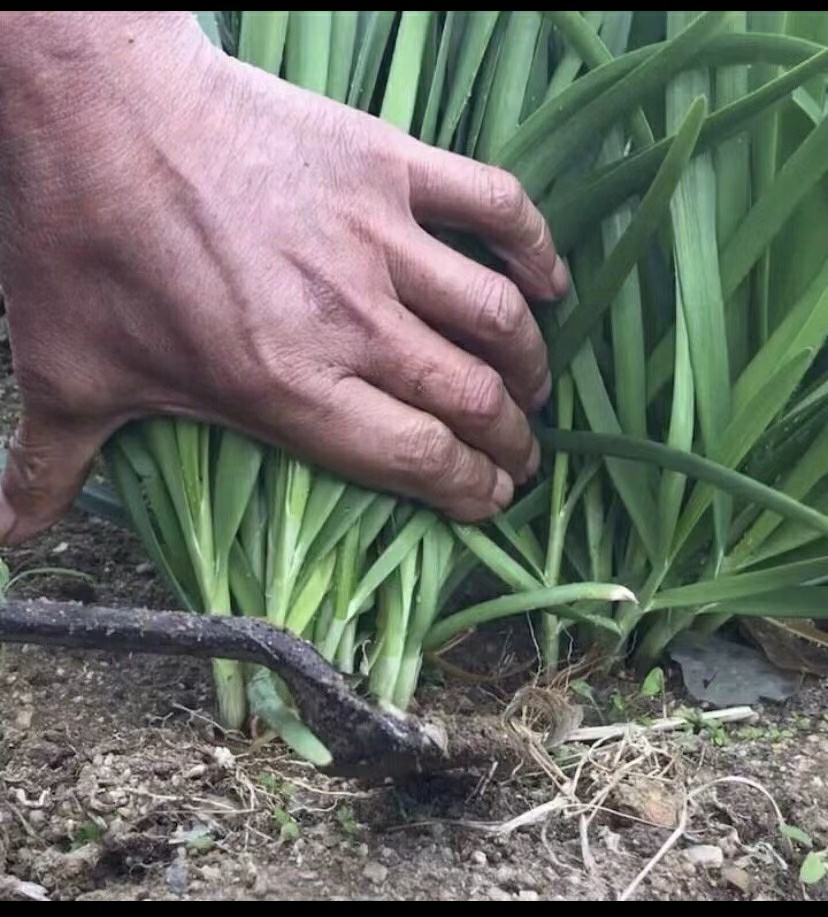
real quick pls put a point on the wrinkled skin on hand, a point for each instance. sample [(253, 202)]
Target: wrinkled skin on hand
[(183, 235)]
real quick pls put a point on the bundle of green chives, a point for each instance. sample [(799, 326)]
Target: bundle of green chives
[(675, 155)]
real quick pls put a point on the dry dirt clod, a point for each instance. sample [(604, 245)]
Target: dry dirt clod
[(37, 819), (739, 879), (497, 894), (75, 867), (376, 873), (507, 877), (706, 857), (23, 720), (649, 800)]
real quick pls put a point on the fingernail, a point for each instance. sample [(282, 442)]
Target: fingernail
[(560, 279), (540, 400), (534, 282), (504, 492)]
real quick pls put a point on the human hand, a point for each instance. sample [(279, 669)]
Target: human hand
[(183, 235)]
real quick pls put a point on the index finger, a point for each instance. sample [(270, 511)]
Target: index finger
[(460, 193)]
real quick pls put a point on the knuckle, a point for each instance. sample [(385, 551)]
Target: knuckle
[(504, 194), (431, 450), (482, 396), (513, 208), (537, 369), (501, 307), (540, 235), (400, 257), (429, 176)]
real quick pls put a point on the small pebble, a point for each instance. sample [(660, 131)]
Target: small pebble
[(37, 818), (528, 896), (261, 888), (224, 758), (376, 873), (210, 874), (479, 859), (706, 857), (730, 845), (497, 894), (738, 879), (507, 877)]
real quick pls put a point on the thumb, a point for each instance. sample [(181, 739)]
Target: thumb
[(47, 466)]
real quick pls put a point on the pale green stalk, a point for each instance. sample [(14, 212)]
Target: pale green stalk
[(695, 228), (477, 38), (289, 492), (344, 32), (734, 190), (262, 39), (583, 35), (572, 62), (559, 523), (563, 598), (379, 26), (267, 703), (182, 450), (349, 568), (537, 85), (765, 150), (511, 79), (396, 602), (437, 557), (308, 53), (406, 68), (428, 131)]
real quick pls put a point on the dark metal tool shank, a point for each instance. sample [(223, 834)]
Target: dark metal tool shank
[(364, 742)]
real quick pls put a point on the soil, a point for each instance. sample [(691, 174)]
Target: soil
[(117, 784)]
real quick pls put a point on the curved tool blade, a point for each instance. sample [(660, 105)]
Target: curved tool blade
[(364, 742)]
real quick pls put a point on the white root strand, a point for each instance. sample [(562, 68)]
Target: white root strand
[(661, 727)]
